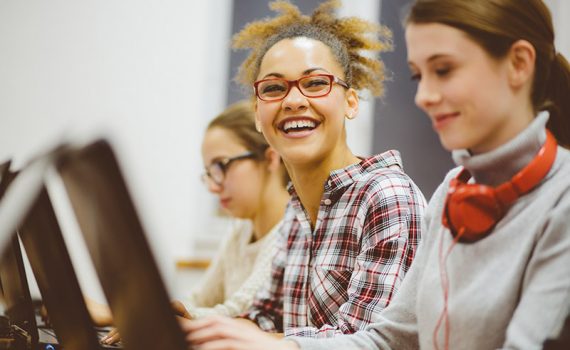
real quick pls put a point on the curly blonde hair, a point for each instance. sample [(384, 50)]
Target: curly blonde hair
[(347, 38)]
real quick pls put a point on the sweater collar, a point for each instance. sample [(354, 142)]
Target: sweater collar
[(501, 164)]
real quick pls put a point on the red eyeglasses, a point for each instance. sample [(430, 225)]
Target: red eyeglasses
[(276, 89)]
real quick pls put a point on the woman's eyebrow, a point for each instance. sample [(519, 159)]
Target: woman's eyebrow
[(430, 59), (277, 75), (437, 56), (311, 70)]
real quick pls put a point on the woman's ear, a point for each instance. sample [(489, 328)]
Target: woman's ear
[(257, 120), (273, 159), (352, 102), (521, 60)]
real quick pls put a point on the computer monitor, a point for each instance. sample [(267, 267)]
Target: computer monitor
[(42, 238), (18, 306), (119, 249)]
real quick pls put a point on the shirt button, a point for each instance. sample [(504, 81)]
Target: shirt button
[(330, 183), (327, 201)]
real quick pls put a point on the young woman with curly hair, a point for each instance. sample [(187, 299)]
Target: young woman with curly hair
[(352, 226)]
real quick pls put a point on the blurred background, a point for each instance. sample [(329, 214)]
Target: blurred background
[(149, 75)]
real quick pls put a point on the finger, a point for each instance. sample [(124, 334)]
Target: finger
[(44, 314), (115, 338), (189, 325), (43, 311), (112, 332), (194, 325), (217, 331), (204, 335), (111, 337), (179, 308)]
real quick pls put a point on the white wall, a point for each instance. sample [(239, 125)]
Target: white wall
[(359, 131), (146, 74), (560, 10)]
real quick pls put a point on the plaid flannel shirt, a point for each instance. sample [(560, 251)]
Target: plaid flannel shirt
[(333, 279)]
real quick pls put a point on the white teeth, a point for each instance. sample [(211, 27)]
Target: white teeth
[(295, 124)]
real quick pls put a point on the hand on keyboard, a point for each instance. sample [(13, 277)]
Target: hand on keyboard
[(180, 309), (111, 338)]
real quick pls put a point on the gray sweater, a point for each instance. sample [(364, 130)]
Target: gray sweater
[(509, 290)]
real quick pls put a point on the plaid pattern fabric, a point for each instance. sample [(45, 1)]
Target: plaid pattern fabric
[(335, 278)]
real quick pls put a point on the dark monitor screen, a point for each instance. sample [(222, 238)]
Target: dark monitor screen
[(42, 238)]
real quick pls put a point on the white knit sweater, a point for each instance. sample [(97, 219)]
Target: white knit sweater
[(239, 270)]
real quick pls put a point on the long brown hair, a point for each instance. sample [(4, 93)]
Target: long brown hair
[(239, 119), (496, 25)]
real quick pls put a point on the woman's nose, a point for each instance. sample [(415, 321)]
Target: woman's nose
[(214, 187), (295, 100), (426, 95)]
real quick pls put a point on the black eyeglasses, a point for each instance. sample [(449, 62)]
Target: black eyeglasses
[(216, 172), (316, 85)]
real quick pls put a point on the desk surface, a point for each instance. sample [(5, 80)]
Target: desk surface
[(193, 263)]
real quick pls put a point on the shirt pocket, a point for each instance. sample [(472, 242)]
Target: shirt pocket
[(329, 290)]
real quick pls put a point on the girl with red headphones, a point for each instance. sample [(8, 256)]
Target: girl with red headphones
[(493, 270)]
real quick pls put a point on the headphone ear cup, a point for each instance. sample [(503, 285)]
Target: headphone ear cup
[(474, 209)]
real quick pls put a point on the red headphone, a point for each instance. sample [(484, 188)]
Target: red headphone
[(472, 210)]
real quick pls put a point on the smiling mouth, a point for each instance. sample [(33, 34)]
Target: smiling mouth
[(444, 116), (440, 120), (297, 125)]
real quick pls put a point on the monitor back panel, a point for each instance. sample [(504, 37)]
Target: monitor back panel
[(119, 249), (17, 299), (15, 290), (52, 267)]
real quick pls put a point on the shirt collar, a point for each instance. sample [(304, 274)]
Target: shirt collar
[(346, 176)]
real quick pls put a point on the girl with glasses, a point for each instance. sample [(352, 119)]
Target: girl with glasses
[(492, 271), (250, 181), (352, 226)]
